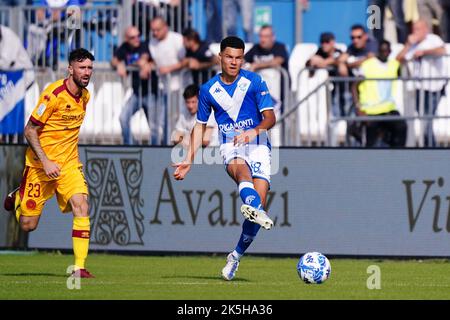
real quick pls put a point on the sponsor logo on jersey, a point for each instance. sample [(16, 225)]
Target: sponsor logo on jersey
[(243, 86), (72, 117), (243, 124)]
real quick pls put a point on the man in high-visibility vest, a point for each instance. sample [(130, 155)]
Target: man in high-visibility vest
[(376, 98)]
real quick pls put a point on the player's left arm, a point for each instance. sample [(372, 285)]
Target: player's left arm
[(267, 123), (32, 132), (264, 103)]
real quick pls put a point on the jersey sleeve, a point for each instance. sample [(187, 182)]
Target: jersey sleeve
[(44, 109), (204, 107), (86, 98), (211, 121), (263, 99)]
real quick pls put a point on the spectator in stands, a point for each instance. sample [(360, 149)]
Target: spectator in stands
[(188, 118), (426, 51), (396, 7), (362, 48), (199, 58), (232, 10), (430, 11), (168, 52), (327, 56), (268, 53), (376, 98), (134, 53)]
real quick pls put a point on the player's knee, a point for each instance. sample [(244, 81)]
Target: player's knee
[(28, 226), (80, 208)]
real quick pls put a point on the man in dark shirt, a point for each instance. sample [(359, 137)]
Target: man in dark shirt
[(327, 57), (199, 58), (268, 53), (362, 48), (135, 53)]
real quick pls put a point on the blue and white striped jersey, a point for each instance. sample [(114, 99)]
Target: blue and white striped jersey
[(237, 106)]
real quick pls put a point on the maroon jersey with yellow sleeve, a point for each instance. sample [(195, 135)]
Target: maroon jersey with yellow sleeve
[(60, 115)]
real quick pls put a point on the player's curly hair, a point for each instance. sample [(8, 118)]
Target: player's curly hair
[(232, 42), (80, 55)]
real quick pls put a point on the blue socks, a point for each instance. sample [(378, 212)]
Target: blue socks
[(249, 195), (249, 229)]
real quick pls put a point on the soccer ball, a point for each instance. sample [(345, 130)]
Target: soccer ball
[(313, 267)]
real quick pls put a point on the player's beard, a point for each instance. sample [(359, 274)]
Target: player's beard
[(79, 82)]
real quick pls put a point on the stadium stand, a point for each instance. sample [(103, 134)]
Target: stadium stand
[(313, 125)]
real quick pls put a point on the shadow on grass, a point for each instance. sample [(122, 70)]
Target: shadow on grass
[(35, 274), (218, 278)]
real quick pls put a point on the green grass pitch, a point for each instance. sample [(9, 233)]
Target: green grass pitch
[(42, 276)]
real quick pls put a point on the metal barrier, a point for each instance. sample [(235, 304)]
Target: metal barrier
[(277, 80), (177, 17), (50, 34), (5, 15), (110, 94), (119, 104), (323, 115), (302, 125)]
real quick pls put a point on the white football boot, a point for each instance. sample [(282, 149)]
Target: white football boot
[(257, 216), (229, 271)]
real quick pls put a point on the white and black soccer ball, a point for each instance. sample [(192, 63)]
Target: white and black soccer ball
[(314, 267)]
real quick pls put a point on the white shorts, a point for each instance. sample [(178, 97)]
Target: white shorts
[(257, 157)]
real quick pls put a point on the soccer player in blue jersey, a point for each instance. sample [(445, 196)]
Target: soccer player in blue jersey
[(243, 109)]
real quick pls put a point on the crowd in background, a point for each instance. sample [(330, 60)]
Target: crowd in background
[(155, 61)]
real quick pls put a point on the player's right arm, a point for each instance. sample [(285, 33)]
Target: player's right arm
[(183, 168), (203, 113), (51, 169), (38, 119)]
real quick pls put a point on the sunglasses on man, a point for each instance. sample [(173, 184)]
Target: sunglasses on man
[(357, 37)]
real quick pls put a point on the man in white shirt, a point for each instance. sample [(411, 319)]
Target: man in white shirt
[(168, 52), (187, 120), (426, 52)]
